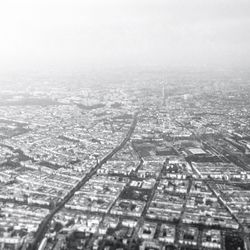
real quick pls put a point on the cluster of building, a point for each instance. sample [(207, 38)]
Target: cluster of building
[(181, 180)]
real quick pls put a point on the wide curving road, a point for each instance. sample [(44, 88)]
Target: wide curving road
[(44, 224)]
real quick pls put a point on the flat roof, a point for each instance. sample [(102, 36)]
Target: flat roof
[(197, 151)]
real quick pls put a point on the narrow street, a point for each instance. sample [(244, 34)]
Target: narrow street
[(180, 224), (144, 212)]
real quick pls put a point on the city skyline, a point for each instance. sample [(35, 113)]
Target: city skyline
[(125, 125)]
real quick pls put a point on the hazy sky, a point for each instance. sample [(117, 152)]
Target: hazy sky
[(70, 34)]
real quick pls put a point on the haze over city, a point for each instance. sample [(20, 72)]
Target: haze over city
[(63, 35), (125, 125)]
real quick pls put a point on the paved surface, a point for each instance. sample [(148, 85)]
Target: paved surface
[(45, 223)]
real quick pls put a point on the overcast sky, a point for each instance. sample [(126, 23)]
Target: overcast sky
[(70, 34)]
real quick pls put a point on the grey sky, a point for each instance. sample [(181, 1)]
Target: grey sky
[(70, 34)]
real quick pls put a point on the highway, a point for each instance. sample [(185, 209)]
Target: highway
[(45, 223)]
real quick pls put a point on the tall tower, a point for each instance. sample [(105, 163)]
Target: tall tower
[(163, 95)]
